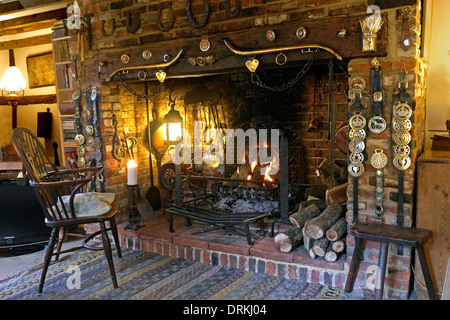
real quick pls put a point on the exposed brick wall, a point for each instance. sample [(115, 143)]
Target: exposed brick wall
[(399, 270), (131, 112)]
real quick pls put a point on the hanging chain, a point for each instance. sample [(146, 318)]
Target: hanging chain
[(161, 88), (256, 80)]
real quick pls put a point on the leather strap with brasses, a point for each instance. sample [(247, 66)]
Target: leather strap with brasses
[(377, 123)]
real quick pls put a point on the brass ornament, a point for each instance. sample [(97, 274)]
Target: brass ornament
[(370, 26), (402, 150), (375, 62), (357, 135), (205, 44), (401, 138), (90, 130), (90, 141), (161, 76), (377, 124), (201, 61), (378, 96), (342, 33), (401, 125), (281, 61), (356, 158), (147, 54), (301, 33), (357, 83), (211, 162), (79, 139), (357, 121), (378, 159), (142, 75), (270, 35), (355, 170), (76, 94), (94, 93), (81, 161), (356, 147), (252, 65), (125, 58), (402, 162), (81, 151), (402, 111)]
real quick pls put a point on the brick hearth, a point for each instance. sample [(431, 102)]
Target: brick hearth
[(226, 249)]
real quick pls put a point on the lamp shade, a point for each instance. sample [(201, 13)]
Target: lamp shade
[(12, 80), (172, 127)]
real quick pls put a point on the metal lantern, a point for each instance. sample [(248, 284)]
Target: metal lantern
[(172, 126)]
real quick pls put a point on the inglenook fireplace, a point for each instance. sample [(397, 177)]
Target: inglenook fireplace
[(276, 65)]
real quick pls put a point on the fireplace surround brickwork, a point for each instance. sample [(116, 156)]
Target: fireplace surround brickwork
[(264, 14)]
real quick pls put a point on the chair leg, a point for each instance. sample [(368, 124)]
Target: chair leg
[(108, 253), (426, 273), (356, 258), (47, 258), (62, 234), (115, 236), (382, 260)]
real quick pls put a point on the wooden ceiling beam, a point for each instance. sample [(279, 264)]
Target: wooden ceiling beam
[(26, 42), (27, 28), (37, 17), (10, 6)]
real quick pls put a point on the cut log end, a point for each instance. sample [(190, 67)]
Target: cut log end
[(320, 247), (288, 240), (339, 245), (331, 256)]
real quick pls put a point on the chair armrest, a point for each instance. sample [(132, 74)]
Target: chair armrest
[(57, 184), (80, 170)]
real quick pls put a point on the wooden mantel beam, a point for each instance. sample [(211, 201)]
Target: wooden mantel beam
[(320, 33)]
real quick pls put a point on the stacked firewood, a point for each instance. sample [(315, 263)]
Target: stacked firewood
[(319, 227)]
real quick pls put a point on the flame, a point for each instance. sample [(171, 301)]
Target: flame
[(253, 165), (266, 175), (249, 177)]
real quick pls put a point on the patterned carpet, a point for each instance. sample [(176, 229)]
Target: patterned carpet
[(84, 275)]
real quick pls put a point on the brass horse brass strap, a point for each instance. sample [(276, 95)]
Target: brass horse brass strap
[(149, 66), (251, 53)]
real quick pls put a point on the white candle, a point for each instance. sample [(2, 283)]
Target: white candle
[(131, 173)]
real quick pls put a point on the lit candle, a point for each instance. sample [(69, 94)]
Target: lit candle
[(131, 173)]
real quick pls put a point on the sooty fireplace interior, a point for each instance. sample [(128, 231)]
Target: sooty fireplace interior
[(226, 190)]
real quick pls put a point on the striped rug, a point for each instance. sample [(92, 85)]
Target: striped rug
[(148, 276)]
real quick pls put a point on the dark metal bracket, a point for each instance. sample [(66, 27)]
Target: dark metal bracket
[(202, 23)]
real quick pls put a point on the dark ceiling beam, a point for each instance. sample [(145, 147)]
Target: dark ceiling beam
[(10, 6), (37, 17), (36, 3), (26, 42)]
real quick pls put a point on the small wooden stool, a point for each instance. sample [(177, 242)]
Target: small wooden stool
[(386, 234)]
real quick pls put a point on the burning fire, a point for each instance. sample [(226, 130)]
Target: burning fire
[(266, 174), (253, 165)]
